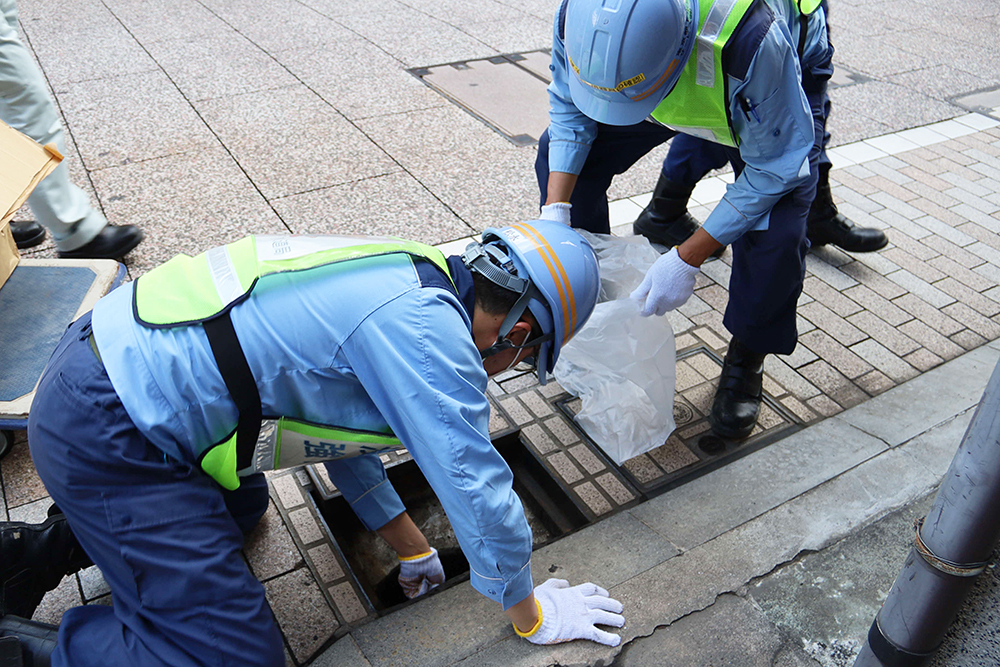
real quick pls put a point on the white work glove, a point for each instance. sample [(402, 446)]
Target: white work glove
[(668, 284), (573, 612), (421, 574), (557, 212)]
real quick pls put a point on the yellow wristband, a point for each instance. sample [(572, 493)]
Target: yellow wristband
[(418, 556), (535, 627)]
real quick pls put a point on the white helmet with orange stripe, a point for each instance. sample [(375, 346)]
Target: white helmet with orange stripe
[(555, 272)]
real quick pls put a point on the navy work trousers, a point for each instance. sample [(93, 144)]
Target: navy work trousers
[(166, 537), (768, 266)]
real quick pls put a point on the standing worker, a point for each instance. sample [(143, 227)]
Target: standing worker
[(80, 231), (628, 77), (666, 219), (145, 427)]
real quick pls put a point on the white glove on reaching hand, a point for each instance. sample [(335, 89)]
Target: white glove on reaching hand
[(421, 574), (669, 283), (573, 612), (557, 212)]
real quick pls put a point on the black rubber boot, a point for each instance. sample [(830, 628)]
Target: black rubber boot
[(34, 558), (828, 225), (737, 400), (38, 640), (666, 220)]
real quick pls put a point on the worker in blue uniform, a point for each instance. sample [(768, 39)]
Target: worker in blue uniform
[(145, 428), (627, 77), (666, 220)]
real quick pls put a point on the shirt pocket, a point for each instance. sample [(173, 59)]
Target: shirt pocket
[(767, 129)]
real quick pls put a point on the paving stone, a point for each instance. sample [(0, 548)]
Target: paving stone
[(706, 367), (921, 288), (701, 397), (923, 359), (21, 484), (347, 601), (92, 583), (673, 455), (924, 182), (830, 297), (832, 382), (931, 339), (831, 323), (968, 339), (884, 360), (714, 342), (920, 404), (696, 512), (643, 469), (790, 379), (55, 603), (539, 439), (879, 306), (824, 405), (706, 637), (586, 458), (305, 525), (536, 403), (565, 468), (920, 268), (831, 275), (33, 512), (874, 383), (882, 332), (890, 192), (971, 279), (983, 326), (873, 279), (560, 428), (287, 490), (680, 586), (972, 298), (343, 653), (517, 411), (836, 354), (269, 548), (325, 561), (798, 408), (800, 356), (302, 612), (686, 376)]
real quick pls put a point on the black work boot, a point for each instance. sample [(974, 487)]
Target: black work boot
[(737, 400), (828, 225), (34, 558), (38, 640), (666, 220), (27, 233)]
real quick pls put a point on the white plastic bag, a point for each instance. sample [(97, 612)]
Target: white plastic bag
[(622, 365)]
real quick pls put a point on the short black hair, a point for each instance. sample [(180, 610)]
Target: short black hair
[(492, 298)]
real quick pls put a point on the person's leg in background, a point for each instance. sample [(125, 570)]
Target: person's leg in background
[(666, 219), (615, 149), (166, 537), (79, 229)]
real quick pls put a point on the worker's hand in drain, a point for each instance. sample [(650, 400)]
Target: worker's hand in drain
[(668, 284), (420, 574), (557, 212), (569, 612)]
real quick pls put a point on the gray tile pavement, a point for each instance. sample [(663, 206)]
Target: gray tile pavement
[(204, 120)]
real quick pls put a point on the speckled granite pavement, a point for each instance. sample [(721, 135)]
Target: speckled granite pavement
[(204, 120)]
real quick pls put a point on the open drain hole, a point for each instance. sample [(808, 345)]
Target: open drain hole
[(550, 511)]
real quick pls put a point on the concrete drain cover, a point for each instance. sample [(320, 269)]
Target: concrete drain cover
[(692, 449), (505, 92)]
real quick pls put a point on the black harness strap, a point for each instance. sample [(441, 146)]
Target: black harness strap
[(240, 383)]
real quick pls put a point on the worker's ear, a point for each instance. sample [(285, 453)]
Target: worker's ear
[(520, 332)]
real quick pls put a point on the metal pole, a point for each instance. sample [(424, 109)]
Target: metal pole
[(951, 548)]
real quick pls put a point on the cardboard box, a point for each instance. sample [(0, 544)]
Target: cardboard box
[(23, 164)]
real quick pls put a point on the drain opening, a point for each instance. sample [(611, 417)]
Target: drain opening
[(550, 511)]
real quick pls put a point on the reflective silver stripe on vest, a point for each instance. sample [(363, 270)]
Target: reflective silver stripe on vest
[(227, 284), (271, 248), (705, 57)]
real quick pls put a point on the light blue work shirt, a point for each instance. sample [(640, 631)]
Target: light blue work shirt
[(775, 139), (359, 344)]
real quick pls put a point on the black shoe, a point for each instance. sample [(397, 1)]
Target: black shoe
[(828, 225), (737, 400), (113, 242), (34, 558), (27, 233), (37, 640), (666, 220)]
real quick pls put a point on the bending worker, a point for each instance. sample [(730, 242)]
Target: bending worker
[(145, 427), (628, 77), (666, 219)]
